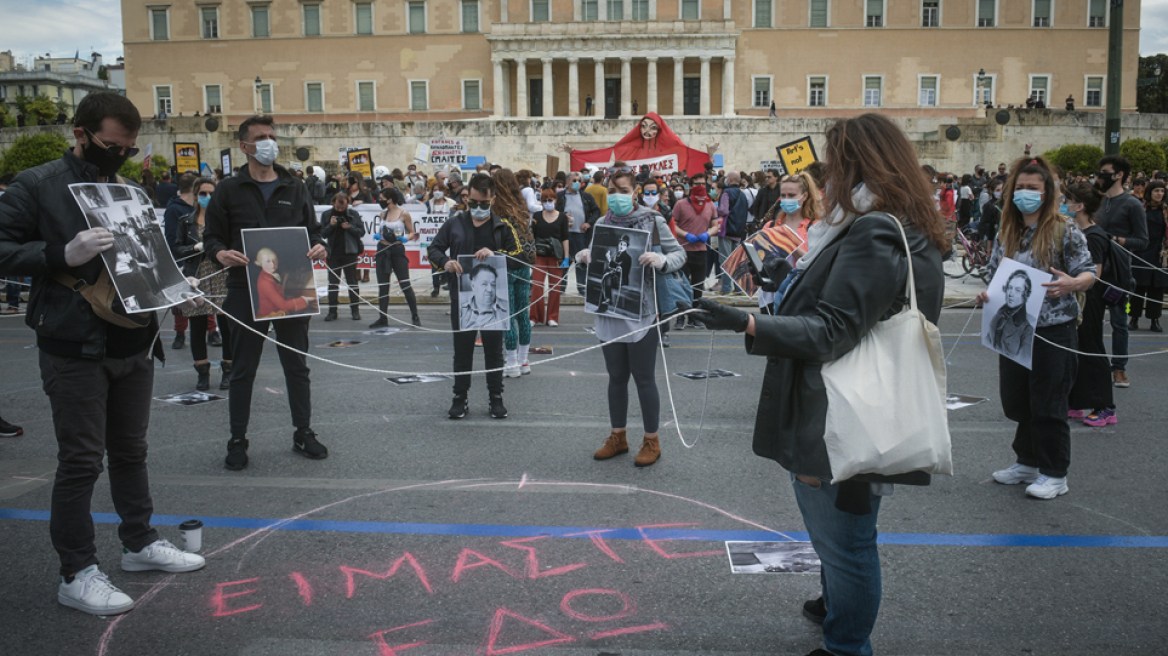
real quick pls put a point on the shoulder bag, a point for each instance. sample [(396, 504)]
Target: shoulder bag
[(671, 288)]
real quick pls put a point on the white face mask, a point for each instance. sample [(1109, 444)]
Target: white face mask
[(438, 195), (267, 151), (651, 200), (550, 207), (678, 194)]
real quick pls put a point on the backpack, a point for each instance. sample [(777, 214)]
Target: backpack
[(1117, 269), (739, 210)]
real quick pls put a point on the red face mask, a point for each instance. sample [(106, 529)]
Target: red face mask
[(698, 197)]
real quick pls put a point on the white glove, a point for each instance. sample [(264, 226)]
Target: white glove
[(199, 247), (584, 257), (655, 260)]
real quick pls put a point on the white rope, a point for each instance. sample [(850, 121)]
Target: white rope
[(1100, 355), (959, 337)]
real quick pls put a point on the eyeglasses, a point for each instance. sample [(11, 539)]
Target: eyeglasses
[(477, 205), (114, 151)]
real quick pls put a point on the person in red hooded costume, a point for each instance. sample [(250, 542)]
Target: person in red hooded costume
[(652, 143)]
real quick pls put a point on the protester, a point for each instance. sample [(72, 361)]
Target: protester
[(733, 208), (598, 191), (549, 227), (262, 183), (582, 210), (530, 195), (855, 274), (511, 206), (343, 230), (440, 200), (481, 233), (991, 214), (1033, 233), (396, 227), (1148, 269), (165, 190), (631, 344), (694, 218), (1122, 216), (315, 184), (768, 194), (356, 190), (188, 250), (99, 376), (182, 204), (965, 200), (799, 207)]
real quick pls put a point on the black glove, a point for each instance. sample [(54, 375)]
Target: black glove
[(715, 316), (776, 270)]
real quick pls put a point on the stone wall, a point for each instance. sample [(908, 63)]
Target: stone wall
[(745, 141)]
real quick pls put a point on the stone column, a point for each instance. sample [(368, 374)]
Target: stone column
[(549, 107), (705, 103), (573, 86), (598, 93), (728, 86), (651, 92), (498, 110), (521, 88), (678, 86), (626, 106)]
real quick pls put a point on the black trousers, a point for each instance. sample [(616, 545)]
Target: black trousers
[(1093, 389), (1037, 399), (347, 264), (639, 360), (695, 268), (464, 348), (1152, 310), (398, 264), (199, 337), (248, 348), (101, 408)]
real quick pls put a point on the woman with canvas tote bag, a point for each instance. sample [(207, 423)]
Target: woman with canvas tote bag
[(829, 387)]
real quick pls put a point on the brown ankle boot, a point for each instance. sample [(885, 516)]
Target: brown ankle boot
[(615, 445), (650, 451)]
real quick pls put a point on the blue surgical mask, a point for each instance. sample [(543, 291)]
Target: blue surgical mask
[(997, 195), (575, 186), (1063, 209), (204, 201), (620, 204), (789, 205), (1027, 200)]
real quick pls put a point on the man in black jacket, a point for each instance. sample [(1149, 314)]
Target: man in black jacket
[(583, 213), (767, 196), (99, 376), (263, 195), (1122, 216), (479, 231), (343, 230), (165, 190)]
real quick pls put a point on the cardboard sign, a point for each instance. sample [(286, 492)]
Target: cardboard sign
[(422, 153), (553, 166), (448, 151), (797, 155), (773, 165), (425, 223), (225, 159), (360, 161), (186, 157)]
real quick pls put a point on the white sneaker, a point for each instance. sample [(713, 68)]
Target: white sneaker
[(91, 592), (1015, 474), (525, 368), (512, 371), (1047, 488), (161, 555), (553, 324)]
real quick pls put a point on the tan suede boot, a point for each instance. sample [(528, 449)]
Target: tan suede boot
[(650, 451), (615, 445)]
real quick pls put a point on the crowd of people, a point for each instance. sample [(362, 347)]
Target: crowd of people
[(861, 225)]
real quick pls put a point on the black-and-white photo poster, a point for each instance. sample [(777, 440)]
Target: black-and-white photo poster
[(772, 557), (616, 278), (1011, 314), (139, 263), (483, 300), (279, 273)]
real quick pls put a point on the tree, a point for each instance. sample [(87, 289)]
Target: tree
[(102, 74), (33, 150), (1075, 158), (1153, 98), (36, 108), (132, 169), (1143, 154), (6, 119)]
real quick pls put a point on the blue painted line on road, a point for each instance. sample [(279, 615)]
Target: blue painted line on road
[(509, 531)]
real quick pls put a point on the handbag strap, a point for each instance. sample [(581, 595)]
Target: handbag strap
[(911, 292)]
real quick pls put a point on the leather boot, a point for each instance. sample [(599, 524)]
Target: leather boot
[(204, 371), (332, 314), (356, 310), (1156, 328), (650, 451), (615, 445), (225, 382)]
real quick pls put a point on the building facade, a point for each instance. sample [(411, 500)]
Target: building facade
[(425, 60), (65, 80)]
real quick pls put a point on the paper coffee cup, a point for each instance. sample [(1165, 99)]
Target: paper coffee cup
[(192, 534)]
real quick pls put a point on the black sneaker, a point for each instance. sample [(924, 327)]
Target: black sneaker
[(215, 339), (815, 610), (380, 323), (459, 407), (236, 454), (434, 292), (332, 315), (10, 430), (680, 325), (498, 410), (180, 340), (417, 321), (356, 310), (304, 442)]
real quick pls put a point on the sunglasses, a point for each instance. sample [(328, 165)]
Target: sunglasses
[(477, 205), (114, 151)]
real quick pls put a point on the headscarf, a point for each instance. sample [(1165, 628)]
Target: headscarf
[(698, 197)]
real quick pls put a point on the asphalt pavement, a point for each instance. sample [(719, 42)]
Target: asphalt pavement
[(425, 536)]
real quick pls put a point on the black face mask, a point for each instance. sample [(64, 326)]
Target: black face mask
[(383, 204), (107, 165), (1104, 180)]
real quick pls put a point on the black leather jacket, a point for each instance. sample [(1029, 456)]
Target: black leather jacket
[(186, 236), (856, 281), (342, 242)]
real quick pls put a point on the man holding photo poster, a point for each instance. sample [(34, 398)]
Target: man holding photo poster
[(285, 203), (98, 374)]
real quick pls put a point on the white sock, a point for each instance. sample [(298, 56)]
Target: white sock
[(511, 358), (523, 348)]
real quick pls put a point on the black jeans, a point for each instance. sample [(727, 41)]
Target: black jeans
[(1149, 309), (248, 349), (1037, 399), (464, 347), (346, 264), (100, 408), (1092, 389), (638, 359), (199, 337), (695, 268), (398, 264)]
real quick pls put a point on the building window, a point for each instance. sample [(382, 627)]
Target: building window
[(1041, 13), (640, 10), (931, 13), (265, 98), (691, 9), (1094, 92), (311, 20), (928, 91), (985, 13), (159, 24), (1039, 86), (210, 20), (541, 11), (471, 97), (763, 13), (259, 22), (364, 17), (985, 90), (162, 100), (314, 96), (817, 91), (470, 16), (590, 10), (1097, 13), (417, 17), (366, 96), (419, 95), (875, 13), (616, 10), (762, 91), (214, 99), (873, 86), (819, 13)]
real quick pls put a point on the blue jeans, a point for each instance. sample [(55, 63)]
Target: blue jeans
[(726, 246), (12, 291), (846, 545), (1118, 313)]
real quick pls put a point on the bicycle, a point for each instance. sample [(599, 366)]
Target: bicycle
[(975, 256)]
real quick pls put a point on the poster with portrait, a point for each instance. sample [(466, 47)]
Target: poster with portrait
[(615, 285), (775, 241), (483, 300), (279, 273), (186, 157), (360, 161), (1011, 313), (139, 263)]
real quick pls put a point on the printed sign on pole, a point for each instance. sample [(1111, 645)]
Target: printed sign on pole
[(225, 161), (774, 165), (422, 153), (448, 151), (797, 155), (186, 157), (360, 161)]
